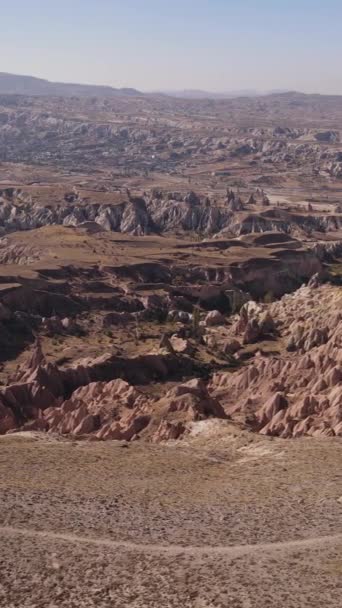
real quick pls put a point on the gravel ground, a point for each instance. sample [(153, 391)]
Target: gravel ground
[(226, 490)]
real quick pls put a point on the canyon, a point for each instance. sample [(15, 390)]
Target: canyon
[(170, 348)]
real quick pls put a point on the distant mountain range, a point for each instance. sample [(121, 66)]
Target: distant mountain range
[(12, 84)]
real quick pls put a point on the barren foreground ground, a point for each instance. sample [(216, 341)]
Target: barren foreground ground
[(222, 519)]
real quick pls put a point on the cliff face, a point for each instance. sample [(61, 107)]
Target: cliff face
[(280, 275), (170, 212)]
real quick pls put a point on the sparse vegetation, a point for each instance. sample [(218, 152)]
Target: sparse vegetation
[(269, 297)]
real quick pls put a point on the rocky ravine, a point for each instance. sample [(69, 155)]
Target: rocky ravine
[(86, 401), (296, 392)]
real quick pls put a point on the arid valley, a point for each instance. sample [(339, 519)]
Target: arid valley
[(171, 350)]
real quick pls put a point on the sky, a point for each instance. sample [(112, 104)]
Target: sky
[(213, 45)]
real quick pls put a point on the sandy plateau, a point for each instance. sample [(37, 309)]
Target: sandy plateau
[(170, 351)]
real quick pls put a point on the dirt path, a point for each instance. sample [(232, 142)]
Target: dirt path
[(228, 551)]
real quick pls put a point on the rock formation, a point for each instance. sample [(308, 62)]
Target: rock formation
[(74, 402), (296, 394)]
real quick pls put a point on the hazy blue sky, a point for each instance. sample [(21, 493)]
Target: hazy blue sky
[(176, 44)]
